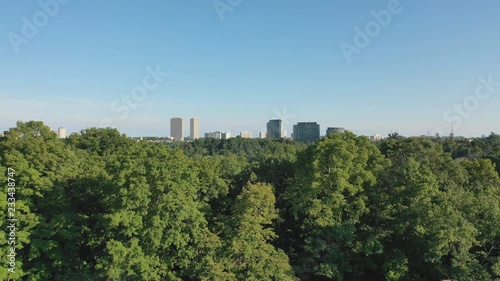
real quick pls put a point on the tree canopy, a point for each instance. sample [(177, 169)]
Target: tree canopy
[(100, 206)]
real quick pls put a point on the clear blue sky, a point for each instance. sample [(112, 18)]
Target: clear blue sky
[(263, 57)]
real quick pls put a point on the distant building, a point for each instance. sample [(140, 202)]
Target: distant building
[(376, 137), (262, 135), (214, 135), (218, 135), (246, 135), (275, 129), (152, 139), (61, 133), (306, 132), (194, 129), (334, 130), (176, 128)]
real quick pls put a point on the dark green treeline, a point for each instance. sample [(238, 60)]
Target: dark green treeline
[(99, 206)]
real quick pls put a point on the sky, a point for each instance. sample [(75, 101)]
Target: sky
[(372, 66)]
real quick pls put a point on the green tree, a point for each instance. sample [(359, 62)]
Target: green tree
[(328, 200), (250, 233), (47, 239), (418, 208), (480, 204)]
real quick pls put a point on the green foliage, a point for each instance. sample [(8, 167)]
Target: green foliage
[(395, 266), (99, 206), (252, 257), (429, 211), (328, 200)]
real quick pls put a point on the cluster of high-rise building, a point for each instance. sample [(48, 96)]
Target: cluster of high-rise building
[(177, 128), (177, 131), (306, 132)]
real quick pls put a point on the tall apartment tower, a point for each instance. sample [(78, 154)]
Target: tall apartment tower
[(61, 133), (275, 129), (306, 132), (194, 129), (176, 128)]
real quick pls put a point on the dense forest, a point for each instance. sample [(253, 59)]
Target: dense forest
[(100, 206)]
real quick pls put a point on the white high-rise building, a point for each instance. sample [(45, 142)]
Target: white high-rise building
[(61, 133), (194, 129), (246, 135), (275, 129), (226, 135), (262, 135), (176, 128)]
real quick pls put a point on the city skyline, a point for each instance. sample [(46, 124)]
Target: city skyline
[(182, 131), (129, 68), (250, 140)]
